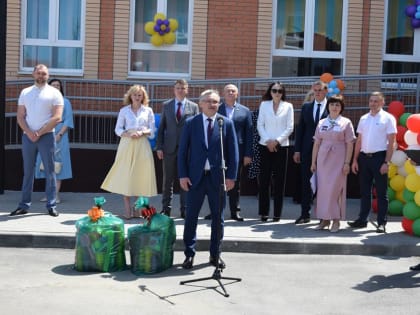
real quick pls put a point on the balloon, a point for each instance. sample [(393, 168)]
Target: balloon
[(410, 137), (326, 77), (332, 84), (418, 138), (411, 211), (390, 193), (375, 205), (173, 24), (412, 182), (418, 170), (413, 123), (399, 157), (403, 119), (397, 182), (417, 15), (159, 16), (408, 195), (392, 170), (400, 196), (395, 207), (407, 225), (401, 130), (410, 10), (156, 40), (148, 28), (340, 84), (415, 23), (336, 91), (402, 171), (396, 108), (417, 198), (416, 227), (409, 167), (169, 38)]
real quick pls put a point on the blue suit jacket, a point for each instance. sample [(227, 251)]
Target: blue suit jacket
[(242, 121), (305, 130), (193, 152)]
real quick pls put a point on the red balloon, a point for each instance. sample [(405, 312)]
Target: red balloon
[(413, 123), (396, 108), (401, 130), (375, 205), (407, 225)]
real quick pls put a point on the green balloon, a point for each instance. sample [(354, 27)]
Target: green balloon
[(395, 207), (411, 210), (391, 194), (408, 195), (403, 119), (416, 227)]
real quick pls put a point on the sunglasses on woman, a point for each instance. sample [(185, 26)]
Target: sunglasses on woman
[(277, 91)]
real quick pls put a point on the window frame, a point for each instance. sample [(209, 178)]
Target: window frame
[(53, 40), (147, 46), (308, 51)]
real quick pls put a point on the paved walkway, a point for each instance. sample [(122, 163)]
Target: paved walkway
[(37, 229)]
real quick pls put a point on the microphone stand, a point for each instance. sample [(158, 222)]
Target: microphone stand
[(217, 274)]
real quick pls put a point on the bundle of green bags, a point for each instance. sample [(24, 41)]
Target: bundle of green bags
[(100, 241)]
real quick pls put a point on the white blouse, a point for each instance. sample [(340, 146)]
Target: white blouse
[(278, 126), (128, 120)]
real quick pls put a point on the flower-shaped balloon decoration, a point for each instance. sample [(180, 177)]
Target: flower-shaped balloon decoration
[(413, 11), (162, 30), (334, 86), (96, 212)]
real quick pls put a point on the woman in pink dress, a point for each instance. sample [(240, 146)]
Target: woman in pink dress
[(331, 154)]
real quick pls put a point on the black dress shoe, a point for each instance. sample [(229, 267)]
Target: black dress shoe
[(302, 220), (183, 214), (165, 212), (213, 262), (188, 263), (357, 224), (18, 211), (236, 216), (52, 212), (207, 217), (381, 228), (415, 268), (264, 218), (276, 219)]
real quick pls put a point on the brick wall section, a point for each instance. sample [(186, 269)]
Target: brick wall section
[(265, 21), (377, 28), (121, 48), (106, 39), (232, 39), (199, 40), (92, 39), (354, 38), (12, 40)]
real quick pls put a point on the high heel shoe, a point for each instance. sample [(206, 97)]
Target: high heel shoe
[(335, 226), (324, 224)]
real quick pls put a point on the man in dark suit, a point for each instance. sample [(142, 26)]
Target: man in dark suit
[(242, 120), (310, 115), (174, 113), (200, 171)]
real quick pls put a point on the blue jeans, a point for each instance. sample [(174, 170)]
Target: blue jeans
[(46, 148)]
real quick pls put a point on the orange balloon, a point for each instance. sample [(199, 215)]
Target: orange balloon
[(340, 84), (326, 77)]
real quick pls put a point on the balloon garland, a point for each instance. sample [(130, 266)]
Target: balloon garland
[(413, 11), (334, 86), (161, 30)]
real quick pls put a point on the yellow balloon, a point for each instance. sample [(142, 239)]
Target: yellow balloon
[(409, 168), (417, 198), (169, 38), (156, 40), (159, 16), (392, 170), (412, 182), (173, 24), (148, 28), (399, 195), (397, 182)]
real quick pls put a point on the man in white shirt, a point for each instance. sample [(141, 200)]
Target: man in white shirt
[(372, 153), (40, 109)]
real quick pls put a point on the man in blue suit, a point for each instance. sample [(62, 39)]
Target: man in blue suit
[(242, 120), (310, 115), (200, 171)]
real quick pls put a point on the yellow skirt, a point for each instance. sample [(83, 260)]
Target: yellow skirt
[(133, 171)]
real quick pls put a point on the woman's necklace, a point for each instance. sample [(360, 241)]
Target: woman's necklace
[(332, 121)]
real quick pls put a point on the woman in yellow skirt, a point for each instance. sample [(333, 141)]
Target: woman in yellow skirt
[(133, 171)]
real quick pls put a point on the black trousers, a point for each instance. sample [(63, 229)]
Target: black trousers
[(272, 164)]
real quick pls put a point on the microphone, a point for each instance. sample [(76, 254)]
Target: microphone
[(220, 121)]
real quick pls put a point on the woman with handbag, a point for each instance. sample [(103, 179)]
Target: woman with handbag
[(62, 163)]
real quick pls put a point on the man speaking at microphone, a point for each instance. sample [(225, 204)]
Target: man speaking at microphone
[(200, 172)]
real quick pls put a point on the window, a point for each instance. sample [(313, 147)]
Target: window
[(166, 61), (308, 37), (402, 42), (52, 34)]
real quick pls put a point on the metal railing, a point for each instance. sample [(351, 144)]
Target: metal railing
[(96, 102)]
